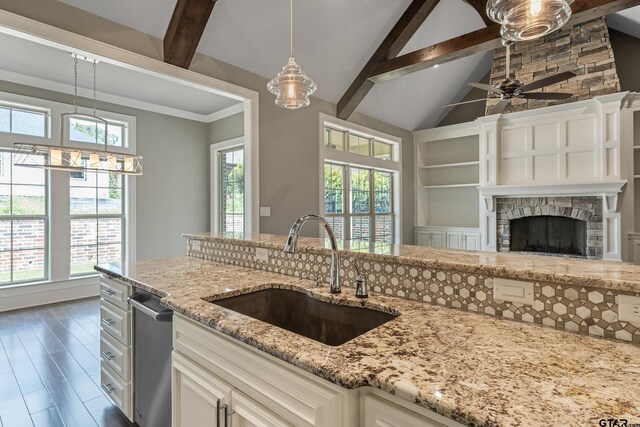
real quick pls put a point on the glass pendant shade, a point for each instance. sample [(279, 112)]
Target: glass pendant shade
[(529, 19), (291, 86)]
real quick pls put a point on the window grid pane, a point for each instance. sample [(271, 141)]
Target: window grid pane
[(97, 221), (23, 222), (364, 221), (232, 191)]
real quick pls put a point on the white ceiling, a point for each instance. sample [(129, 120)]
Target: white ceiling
[(333, 41), (30, 63)]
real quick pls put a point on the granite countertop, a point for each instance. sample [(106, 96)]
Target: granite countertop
[(475, 369), (612, 275)]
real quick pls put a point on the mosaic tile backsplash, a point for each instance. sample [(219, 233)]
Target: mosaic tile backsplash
[(584, 310)]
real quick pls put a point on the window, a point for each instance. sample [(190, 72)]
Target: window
[(232, 190), (23, 121), (83, 129), (359, 192), (23, 222), (345, 140), (358, 203), (97, 221)]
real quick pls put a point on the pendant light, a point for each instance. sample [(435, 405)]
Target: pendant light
[(62, 157), (529, 19), (291, 86)]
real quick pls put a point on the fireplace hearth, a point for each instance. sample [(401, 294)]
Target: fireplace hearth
[(549, 234)]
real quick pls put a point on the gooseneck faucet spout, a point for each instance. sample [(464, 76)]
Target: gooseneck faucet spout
[(292, 247)]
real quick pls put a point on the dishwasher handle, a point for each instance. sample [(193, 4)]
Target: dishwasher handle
[(160, 316)]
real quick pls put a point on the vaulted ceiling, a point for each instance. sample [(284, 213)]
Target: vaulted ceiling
[(334, 39)]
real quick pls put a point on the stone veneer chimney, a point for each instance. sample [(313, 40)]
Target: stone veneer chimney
[(584, 49)]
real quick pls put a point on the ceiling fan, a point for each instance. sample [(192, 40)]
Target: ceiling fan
[(511, 88)]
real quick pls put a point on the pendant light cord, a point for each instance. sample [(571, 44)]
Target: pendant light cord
[(75, 84), (95, 65), (291, 28)]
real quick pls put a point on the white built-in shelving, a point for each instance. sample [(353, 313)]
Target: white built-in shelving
[(447, 177)]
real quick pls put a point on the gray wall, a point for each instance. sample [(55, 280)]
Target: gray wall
[(169, 195), (228, 128), (287, 138)]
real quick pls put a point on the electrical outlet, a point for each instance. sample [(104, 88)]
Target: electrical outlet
[(513, 291), (265, 211), (629, 309), (195, 245), (262, 254)]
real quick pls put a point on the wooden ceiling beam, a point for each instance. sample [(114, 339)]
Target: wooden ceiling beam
[(185, 29), (398, 37), (481, 41)]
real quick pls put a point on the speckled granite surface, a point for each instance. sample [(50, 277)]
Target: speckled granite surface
[(475, 369), (578, 272)]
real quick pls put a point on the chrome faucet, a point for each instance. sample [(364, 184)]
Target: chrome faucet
[(291, 247)]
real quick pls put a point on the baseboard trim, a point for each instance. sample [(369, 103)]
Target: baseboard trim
[(17, 297)]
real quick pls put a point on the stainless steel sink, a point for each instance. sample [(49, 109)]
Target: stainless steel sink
[(331, 324)]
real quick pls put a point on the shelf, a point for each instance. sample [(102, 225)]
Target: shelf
[(473, 184), (636, 147), (451, 165), (636, 176)]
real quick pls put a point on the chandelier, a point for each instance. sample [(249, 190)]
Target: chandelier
[(529, 19), (65, 158), (291, 86)]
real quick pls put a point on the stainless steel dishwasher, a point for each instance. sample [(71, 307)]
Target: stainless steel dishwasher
[(152, 345)]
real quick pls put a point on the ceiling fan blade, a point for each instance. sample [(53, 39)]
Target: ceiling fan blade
[(546, 81), (500, 106), (486, 87), (464, 102), (546, 95)]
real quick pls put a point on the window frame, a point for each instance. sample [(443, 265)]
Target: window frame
[(221, 183), (98, 216), (350, 159), (45, 217), (347, 215), (59, 224)]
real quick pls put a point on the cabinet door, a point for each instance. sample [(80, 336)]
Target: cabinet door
[(246, 412), (423, 238), (455, 241), (380, 413), (472, 241), (196, 394), (438, 239)]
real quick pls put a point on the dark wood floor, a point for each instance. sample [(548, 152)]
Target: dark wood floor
[(50, 367)]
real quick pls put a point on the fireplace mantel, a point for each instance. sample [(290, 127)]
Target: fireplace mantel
[(609, 188)]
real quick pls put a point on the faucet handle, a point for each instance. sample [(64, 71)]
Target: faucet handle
[(318, 279), (361, 281)]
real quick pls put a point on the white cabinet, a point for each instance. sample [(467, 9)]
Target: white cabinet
[(432, 238), (246, 412), (449, 238), (115, 344), (389, 411), (218, 381), (197, 395)]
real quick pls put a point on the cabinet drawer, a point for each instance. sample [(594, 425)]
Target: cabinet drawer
[(117, 391), (115, 321), (115, 355), (115, 292)]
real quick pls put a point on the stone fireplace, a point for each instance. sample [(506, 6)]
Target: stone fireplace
[(550, 225)]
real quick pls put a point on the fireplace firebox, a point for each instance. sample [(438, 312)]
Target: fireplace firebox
[(549, 234)]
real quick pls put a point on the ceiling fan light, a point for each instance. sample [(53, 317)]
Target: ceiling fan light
[(529, 19)]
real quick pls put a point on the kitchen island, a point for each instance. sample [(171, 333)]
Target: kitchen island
[(472, 368)]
